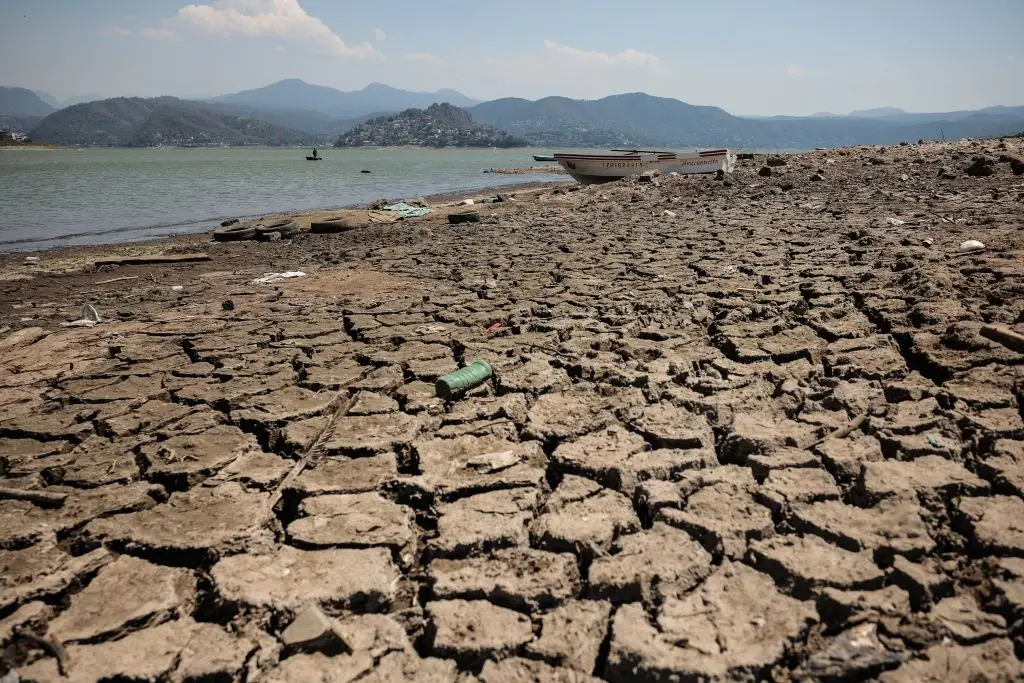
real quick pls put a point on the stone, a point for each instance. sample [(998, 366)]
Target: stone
[(735, 626), (927, 473), (519, 670), (201, 522), (289, 579), (484, 522), (810, 563), (311, 629), (995, 523), (981, 166), (519, 578), (990, 661), (572, 633), (662, 560), (355, 520), (854, 654), (893, 526), (475, 630), (146, 594), (583, 518)]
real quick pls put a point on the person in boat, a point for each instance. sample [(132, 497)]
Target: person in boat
[(314, 152)]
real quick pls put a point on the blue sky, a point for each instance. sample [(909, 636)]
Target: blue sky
[(748, 56)]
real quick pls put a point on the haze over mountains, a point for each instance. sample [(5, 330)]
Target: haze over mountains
[(295, 112)]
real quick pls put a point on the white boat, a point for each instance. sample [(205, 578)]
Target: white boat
[(589, 169)]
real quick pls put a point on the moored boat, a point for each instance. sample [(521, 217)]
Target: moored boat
[(602, 168), (543, 157)]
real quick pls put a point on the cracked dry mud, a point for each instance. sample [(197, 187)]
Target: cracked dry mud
[(657, 485)]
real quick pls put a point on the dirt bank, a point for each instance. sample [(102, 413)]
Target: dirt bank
[(740, 429)]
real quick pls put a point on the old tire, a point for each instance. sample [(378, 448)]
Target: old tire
[(287, 228), (235, 233), (332, 226), (464, 217)]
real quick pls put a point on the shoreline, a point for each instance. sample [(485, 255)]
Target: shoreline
[(13, 260)]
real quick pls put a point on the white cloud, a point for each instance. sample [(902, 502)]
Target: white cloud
[(117, 30), (159, 34), (794, 71), (282, 19), (628, 56), (379, 34)]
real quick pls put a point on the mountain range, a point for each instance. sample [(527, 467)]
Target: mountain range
[(295, 112)]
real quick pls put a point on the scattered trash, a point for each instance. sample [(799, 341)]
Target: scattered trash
[(493, 462), (463, 379), (271, 278), (431, 329), (933, 440), (148, 260), (464, 202), (407, 210), (495, 326), (383, 217), (970, 245), (895, 221), (31, 260), (229, 222), (89, 318), (464, 217), (332, 225), (176, 288), (670, 214), (227, 305), (928, 241)]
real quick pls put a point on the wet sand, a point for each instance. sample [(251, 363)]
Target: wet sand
[(739, 429)]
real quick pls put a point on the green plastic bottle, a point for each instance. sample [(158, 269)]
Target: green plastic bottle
[(463, 379)]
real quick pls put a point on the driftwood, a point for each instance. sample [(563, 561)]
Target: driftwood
[(843, 431), (41, 497), (1007, 338), (145, 260), (117, 279)]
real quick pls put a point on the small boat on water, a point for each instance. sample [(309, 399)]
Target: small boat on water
[(590, 169), (543, 157), (312, 158)]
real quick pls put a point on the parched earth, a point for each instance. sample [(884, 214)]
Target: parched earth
[(740, 429)]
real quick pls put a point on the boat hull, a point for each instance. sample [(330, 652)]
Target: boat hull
[(590, 169)]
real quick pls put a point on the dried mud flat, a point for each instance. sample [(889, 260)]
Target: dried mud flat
[(761, 439)]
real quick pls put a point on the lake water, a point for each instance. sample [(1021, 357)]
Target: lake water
[(94, 196)]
